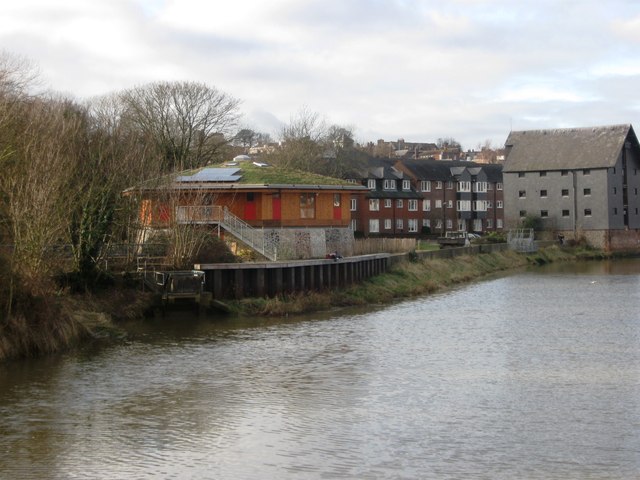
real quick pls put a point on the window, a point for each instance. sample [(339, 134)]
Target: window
[(307, 205), (543, 194), (412, 225), (387, 203), (480, 187), (399, 203), (426, 222), (438, 203), (371, 183), (499, 186), (498, 203), (425, 185), (406, 185), (586, 171), (389, 184), (522, 194), (426, 205), (336, 200), (463, 205), (449, 224), (387, 224), (413, 205), (464, 186), (565, 213), (354, 204), (480, 206), (374, 204), (544, 213), (374, 225), (587, 212), (586, 192), (520, 174), (498, 223), (489, 223), (438, 185), (523, 213), (399, 224), (450, 204), (439, 224), (615, 190), (354, 224), (565, 192), (564, 173), (489, 187), (489, 204), (449, 185), (543, 174)]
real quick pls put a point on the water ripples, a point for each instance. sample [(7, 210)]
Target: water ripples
[(528, 376)]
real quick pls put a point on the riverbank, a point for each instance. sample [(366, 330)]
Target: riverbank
[(410, 278), (42, 325)]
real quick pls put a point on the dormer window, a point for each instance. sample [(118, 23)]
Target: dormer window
[(371, 183), (406, 185), (389, 184)]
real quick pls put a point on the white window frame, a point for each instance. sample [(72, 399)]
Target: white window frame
[(449, 224), (480, 206), (412, 205), (499, 204), (425, 185), (463, 205), (354, 204), (387, 203), (426, 205), (399, 224), (399, 203), (498, 223), (374, 225), (426, 222), (438, 185), (389, 184), (371, 183), (374, 204), (387, 224), (438, 203), (499, 186), (464, 186), (406, 184), (412, 225)]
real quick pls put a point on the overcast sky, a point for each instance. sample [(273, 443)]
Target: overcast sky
[(413, 69)]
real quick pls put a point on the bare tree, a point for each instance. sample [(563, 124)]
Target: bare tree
[(188, 122)]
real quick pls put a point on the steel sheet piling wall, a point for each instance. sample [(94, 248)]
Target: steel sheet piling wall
[(241, 280)]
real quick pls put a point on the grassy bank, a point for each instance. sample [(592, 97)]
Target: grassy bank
[(409, 279), (43, 324)]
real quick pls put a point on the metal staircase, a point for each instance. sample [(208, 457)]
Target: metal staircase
[(213, 214)]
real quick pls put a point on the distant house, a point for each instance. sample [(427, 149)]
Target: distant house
[(580, 182), (280, 213)]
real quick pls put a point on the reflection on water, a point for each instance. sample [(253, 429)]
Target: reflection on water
[(534, 375)]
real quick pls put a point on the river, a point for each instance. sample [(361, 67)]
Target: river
[(531, 375)]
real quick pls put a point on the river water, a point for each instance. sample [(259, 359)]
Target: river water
[(532, 375)]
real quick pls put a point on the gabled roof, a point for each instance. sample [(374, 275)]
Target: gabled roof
[(429, 169), (566, 149)]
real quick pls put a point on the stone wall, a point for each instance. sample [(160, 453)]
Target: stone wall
[(306, 243)]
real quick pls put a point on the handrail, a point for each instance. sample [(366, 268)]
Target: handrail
[(206, 214)]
